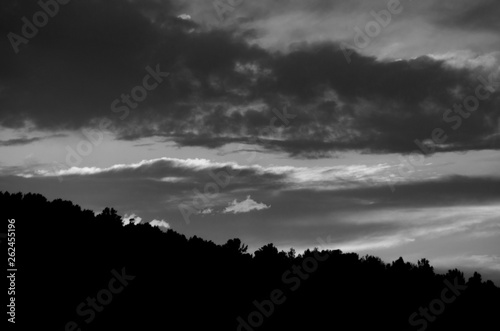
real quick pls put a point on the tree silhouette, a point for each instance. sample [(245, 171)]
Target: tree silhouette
[(66, 255)]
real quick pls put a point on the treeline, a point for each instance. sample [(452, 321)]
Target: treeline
[(78, 271)]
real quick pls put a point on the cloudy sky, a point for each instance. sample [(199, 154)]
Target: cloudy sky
[(364, 125)]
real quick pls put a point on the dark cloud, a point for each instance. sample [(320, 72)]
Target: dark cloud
[(26, 140), (468, 15), (18, 141), (222, 89)]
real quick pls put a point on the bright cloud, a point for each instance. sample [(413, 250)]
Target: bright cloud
[(244, 206), (207, 211), (132, 218), (162, 225)]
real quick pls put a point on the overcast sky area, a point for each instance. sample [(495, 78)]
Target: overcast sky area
[(362, 125)]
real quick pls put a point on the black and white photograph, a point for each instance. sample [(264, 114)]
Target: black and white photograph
[(250, 165)]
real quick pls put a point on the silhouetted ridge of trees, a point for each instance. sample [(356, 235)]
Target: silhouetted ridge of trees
[(65, 254)]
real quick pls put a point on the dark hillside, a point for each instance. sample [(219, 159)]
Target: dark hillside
[(66, 256)]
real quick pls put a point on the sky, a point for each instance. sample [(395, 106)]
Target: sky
[(361, 125)]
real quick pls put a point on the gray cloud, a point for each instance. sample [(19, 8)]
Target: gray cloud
[(355, 217), (155, 187)]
